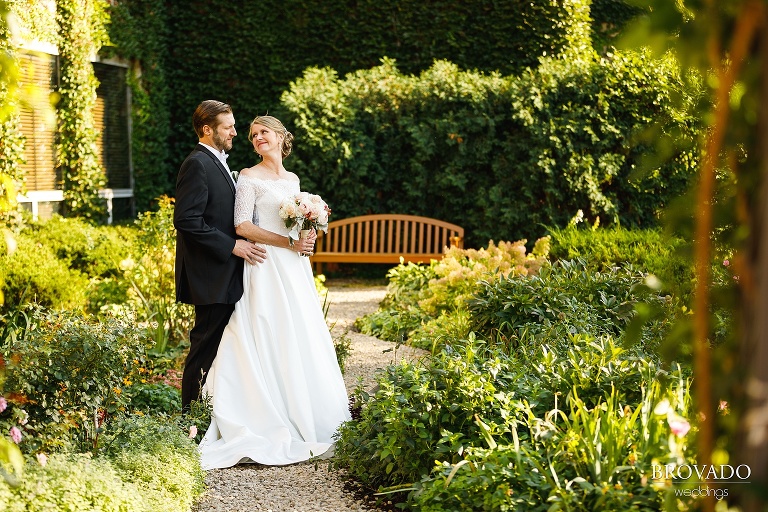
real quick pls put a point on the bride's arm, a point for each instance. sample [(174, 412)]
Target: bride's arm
[(260, 235), (245, 204)]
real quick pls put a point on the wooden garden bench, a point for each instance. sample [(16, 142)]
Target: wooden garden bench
[(386, 238)]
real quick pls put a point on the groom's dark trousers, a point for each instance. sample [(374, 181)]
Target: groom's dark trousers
[(210, 321), (208, 275)]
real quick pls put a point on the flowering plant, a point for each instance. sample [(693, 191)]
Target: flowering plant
[(304, 211)]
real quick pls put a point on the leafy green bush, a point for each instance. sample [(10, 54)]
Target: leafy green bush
[(33, 273), (651, 250), (427, 411), (153, 398), (419, 294), (424, 411), (579, 458), (146, 465), (93, 250), (72, 482), (159, 456), (564, 299), (447, 328), (67, 373), (399, 311), (506, 155)]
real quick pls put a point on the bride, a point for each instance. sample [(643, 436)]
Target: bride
[(277, 392)]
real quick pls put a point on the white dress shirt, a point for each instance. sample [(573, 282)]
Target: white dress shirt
[(222, 156)]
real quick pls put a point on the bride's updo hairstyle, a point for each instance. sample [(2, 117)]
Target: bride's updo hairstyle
[(276, 126)]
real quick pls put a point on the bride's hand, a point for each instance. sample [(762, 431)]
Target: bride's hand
[(305, 246)]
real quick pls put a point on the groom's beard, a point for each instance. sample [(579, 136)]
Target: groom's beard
[(221, 144)]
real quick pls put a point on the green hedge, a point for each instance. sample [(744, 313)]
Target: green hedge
[(501, 156), (66, 263)]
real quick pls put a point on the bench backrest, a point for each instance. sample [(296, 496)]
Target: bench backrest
[(386, 237)]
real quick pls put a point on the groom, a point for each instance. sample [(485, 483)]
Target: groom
[(209, 254)]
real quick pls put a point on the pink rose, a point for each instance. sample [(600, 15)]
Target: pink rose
[(42, 459), (16, 435), (679, 426), (726, 263), (192, 432), (3, 404)]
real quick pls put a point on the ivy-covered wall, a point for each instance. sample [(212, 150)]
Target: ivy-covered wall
[(139, 32), (184, 51), (247, 55)]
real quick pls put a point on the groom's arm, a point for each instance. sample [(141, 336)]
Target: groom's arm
[(192, 196)]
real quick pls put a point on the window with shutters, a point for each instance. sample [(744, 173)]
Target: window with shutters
[(38, 125), (38, 75)]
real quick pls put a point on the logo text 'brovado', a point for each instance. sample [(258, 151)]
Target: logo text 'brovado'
[(702, 475), (724, 473)]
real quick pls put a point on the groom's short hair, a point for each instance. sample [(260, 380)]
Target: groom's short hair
[(207, 113)]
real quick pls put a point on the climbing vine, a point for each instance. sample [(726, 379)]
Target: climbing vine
[(81, 26), (11, 140)]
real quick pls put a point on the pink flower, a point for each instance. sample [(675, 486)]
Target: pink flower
[(679, 426), (16, 435), (192, 432), (42, 459), (3, 404), (726, 263)]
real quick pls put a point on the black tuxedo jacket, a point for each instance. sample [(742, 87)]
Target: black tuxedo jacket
[(206, 270)]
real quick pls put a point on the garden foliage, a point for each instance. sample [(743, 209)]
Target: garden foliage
[(537, 394), (516, 433), (65, 376), (148, 465), (66, 263), (419, 293), (656, 252)]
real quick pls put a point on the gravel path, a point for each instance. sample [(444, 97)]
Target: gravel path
[(310, 487)]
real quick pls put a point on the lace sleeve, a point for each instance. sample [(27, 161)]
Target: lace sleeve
[(245, 201)]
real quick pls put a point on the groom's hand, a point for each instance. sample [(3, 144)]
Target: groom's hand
[(249, 251)]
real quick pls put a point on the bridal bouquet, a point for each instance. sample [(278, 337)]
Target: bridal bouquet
[(304, 211)]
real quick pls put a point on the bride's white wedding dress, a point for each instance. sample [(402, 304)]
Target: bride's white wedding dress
[(277, 392)]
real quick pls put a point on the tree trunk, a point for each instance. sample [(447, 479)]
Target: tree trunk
[(754, 346)]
